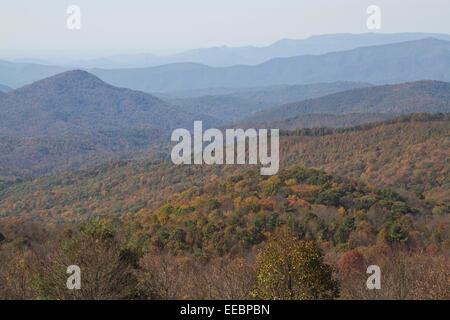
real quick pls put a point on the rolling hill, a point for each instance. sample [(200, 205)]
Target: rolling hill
[(390, 63), (420, 96), (76, 102)]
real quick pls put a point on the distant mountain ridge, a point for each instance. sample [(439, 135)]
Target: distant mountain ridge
[(77, 102), (393, 63), (15, 75), (285, 48), (225, 56)]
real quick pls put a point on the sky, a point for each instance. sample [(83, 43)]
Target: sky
[(30, 28)]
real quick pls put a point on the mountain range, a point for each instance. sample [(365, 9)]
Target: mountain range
[(398, 62), (74, 119), (225, 56), (392, 63), (77, 102)]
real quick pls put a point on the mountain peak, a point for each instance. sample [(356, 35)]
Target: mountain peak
[(74, 79), (79, 76)]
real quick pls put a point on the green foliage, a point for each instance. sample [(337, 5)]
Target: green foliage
[(343, 232), (394, 232), (98, 230), (289, 269)]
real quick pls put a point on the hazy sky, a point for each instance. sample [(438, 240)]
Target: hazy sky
[(31, 28)]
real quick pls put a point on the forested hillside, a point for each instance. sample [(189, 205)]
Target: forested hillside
[(317, 120), (420, 96), (408, 153), (22, 157)]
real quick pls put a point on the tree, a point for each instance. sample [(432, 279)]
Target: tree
[(343, 232), (352, 262), (287, 269), (106, 269)]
